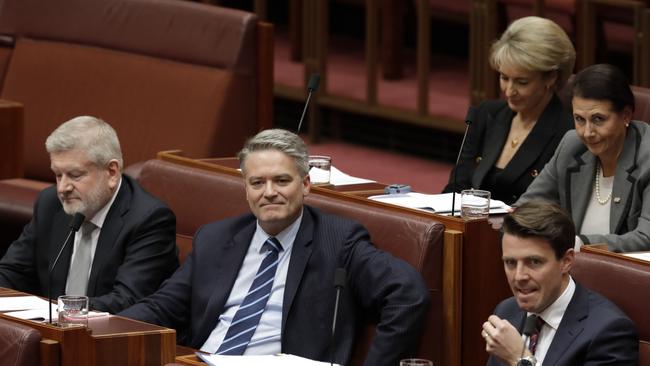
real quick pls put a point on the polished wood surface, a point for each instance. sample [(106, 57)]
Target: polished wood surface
[(473, 278), (108, 340)]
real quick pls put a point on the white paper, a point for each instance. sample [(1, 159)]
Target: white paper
[(33, 308), (13, 303), (639, 255), (271, 360), (438, 203), (338, 178)]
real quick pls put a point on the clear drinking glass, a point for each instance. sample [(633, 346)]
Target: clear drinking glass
[(73, 310), (320, 167), (415, 362), (474, 204)]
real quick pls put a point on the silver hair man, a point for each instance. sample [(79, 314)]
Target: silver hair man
[(281, 140), (89, 134)]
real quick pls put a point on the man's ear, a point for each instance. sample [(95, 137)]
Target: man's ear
[(567, 260), (306, 185), (114, 173)]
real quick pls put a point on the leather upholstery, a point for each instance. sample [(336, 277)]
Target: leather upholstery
[(199, 196), (625, 283), (165, 74), (19, 344)]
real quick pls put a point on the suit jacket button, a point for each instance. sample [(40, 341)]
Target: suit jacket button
[(534, 173), (478, 159)]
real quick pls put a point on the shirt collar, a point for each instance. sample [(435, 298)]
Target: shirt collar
[(553, 314), (100, 216), (286, 237)]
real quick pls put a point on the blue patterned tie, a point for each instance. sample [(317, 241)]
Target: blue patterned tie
[(250, 311)]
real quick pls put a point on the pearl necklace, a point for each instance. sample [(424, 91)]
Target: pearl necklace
[(601, 201)]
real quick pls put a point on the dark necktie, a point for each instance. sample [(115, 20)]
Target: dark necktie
[(534, 337), (250, 311)]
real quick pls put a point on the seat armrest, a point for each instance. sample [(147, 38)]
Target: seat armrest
[(11, 139)]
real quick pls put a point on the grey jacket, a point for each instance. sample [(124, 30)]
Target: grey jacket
[(568, 179)]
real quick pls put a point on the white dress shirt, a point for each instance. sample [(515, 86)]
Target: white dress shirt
[(267, 339), (552, 317)]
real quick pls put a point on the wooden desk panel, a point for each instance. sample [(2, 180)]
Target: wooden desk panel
[(473, 277), (109, 340)]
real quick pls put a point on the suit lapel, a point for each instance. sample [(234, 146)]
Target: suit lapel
[(60, 230), (110, 232), (624, 181), (549, 124), (570, 327), (227, 261), (300, 255), (579, 184), (498, 127)]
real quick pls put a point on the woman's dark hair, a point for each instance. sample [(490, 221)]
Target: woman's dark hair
[(604, 82)]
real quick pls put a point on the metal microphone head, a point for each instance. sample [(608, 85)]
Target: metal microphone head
[(471, 115), (339, 277), (76, 221), (314, 80), (530, 325)]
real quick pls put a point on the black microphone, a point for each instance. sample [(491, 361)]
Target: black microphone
[(529, 328), (75, 224), (339, 283), (312, 86), (471, 114)]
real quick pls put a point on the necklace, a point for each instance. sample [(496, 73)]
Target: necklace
[(514, 142), (601, 201)]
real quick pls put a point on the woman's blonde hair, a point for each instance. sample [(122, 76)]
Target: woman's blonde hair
[(535, 44)]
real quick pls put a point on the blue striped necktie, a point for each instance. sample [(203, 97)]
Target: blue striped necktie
[(250, 311)]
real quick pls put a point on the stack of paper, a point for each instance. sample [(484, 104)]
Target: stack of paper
[(271, 360), (438, 203)]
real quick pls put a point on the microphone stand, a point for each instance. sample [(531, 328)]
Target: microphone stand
[(312, 86), (468, 121), (75, 223), (339, 283)]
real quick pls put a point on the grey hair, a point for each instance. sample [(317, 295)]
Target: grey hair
[(89, 134), (535, 44), (281, 140)]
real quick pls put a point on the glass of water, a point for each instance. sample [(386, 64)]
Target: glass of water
[(73, 310), (474, 204), (319, 169), (415, 362)]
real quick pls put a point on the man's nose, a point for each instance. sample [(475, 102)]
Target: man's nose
[(64, 185)]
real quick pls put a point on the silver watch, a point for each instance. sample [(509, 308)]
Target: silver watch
[(527, 361)]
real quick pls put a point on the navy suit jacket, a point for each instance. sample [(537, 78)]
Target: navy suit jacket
[(135, 252), (485, 140), (380, 288), (593, 331)]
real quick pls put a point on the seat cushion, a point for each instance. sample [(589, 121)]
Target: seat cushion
[(19, 344)]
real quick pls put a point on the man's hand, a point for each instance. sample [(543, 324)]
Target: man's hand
[(502, 340)]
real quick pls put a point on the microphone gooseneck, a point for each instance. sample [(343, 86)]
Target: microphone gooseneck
[(529, 328), (75, 224), (471, 114), (339, 283), (312, 86)]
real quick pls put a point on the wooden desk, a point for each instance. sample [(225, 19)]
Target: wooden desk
[(109, 340), (473, 277)]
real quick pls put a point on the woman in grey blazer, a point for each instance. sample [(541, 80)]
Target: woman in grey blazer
[(600, 171)]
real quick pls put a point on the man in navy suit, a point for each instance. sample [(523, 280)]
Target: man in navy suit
[(204, 299), (129, 247), (574, 326)]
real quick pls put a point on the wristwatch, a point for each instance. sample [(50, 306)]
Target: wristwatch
[(527, 361)]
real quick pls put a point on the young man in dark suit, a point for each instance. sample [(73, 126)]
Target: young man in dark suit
[(126, 245), (209, 298), (572, 325)]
